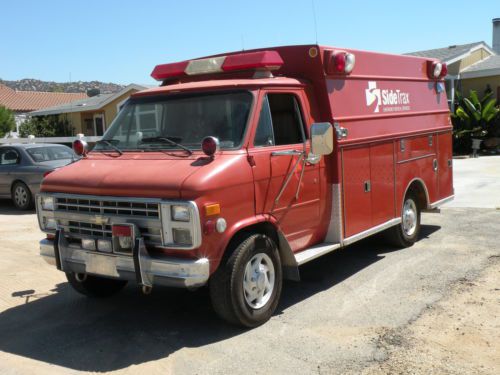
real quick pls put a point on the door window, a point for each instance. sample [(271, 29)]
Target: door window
[(280, 121), (8, 157)]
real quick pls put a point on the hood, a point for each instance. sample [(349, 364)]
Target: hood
[(132, 177)]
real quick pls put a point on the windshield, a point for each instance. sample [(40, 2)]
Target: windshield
[(179, 122), (41, 154)]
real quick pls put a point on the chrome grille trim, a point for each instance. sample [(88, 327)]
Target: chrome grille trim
[(107, 205)]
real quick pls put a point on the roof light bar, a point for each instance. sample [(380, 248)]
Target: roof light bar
[(262, 60)]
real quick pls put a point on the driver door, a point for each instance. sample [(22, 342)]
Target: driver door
[(286, 186)]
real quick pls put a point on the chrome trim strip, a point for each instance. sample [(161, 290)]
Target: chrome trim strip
[(315, 252), (441, 202), (373, 230), (415, 158)]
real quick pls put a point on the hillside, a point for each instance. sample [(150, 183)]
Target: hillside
[(29, 84)]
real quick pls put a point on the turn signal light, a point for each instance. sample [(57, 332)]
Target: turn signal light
[(212, 209)]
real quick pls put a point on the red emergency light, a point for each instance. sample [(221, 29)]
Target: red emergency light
[(436, 69), (339, 62), (262, 60)]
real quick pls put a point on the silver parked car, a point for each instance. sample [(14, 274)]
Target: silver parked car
[(23, 166)]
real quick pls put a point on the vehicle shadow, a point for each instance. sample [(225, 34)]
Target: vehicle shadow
[(69, 330), (8, 208)]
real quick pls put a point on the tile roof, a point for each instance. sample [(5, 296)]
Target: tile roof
[(448, 53), (25, 101)]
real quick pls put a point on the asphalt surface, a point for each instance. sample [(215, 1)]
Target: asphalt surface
[(334, 321)]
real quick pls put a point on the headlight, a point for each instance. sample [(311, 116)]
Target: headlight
[(180, 213), (48, 203), (182, 236)]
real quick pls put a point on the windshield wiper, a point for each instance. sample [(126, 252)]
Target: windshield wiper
[(166, 140), (108, 143)]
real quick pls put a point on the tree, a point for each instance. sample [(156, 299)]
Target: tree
[(46, 126), (7, 121)]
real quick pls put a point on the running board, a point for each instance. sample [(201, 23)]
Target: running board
[(315, 252)]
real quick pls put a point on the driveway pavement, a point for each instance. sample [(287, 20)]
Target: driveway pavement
[(352, 308)]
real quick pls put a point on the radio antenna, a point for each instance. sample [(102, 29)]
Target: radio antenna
[(315, 23)]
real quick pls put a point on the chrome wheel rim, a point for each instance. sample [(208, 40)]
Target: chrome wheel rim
[(409, 217), (21, 196), (259, 280)]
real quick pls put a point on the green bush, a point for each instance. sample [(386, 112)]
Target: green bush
[(474, 118), (46, 126), (7, 121)]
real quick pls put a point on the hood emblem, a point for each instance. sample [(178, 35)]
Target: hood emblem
[(99, 220)]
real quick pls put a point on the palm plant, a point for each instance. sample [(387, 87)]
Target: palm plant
[(476, 116)]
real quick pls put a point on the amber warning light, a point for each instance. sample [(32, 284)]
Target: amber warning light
[(262, 60)]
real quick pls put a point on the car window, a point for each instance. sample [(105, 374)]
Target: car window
[(8, 157), (41, 154), (280, 121)]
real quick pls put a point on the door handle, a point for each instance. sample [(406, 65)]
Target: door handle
[(368, 186), (435, 165), (287, 153)]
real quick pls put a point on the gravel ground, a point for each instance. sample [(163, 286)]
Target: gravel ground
[(369, 308), (356, 309)]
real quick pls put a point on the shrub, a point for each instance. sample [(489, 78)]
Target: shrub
[(7, 121), (46, 126)]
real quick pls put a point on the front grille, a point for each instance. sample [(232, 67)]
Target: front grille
[(108, 206), (76, 216)]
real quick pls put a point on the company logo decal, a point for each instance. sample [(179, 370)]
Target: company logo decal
[(387, 100)]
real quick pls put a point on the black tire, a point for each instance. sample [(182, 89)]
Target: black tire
[(94, 286), (229, 299), (400, 235), (21, 196)]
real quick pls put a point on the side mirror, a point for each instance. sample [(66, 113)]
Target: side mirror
[(321, 138)]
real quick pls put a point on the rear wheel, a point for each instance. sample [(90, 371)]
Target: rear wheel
[(21, 196), (245, 290), (94, 286), (406, 233)]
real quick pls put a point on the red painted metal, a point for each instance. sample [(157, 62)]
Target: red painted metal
[(384, 100)]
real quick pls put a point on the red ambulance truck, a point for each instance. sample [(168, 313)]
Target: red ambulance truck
[(241, 167)]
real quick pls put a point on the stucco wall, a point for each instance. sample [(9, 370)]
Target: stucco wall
[(77, 119), (479, 84)]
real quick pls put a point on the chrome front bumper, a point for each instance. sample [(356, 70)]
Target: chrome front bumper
[(149, 271)]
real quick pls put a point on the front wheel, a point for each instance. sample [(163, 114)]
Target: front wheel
[(406, 233), (245, 290), (94, 286)]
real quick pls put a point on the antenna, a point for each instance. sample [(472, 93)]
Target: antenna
[(242, 42), (315, 23)]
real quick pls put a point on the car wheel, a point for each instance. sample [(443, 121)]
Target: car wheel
[(406, 233), (245, 290), (21, 196), (94, 286)]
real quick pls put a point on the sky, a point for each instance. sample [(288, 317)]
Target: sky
[(122, 41)]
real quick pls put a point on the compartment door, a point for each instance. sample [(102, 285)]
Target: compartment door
[(382, 181), (356, 190), (445, 160)]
